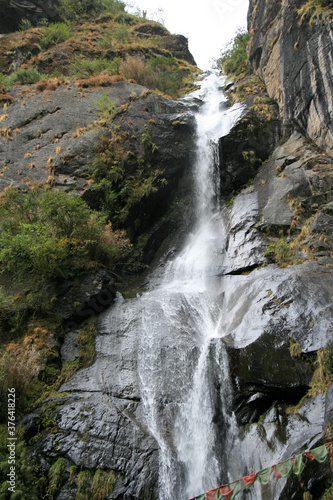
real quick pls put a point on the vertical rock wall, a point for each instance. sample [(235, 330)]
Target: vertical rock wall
[(295, 62)]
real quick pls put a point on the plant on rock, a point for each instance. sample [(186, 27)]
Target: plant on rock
[(233, 59), (48, 234)]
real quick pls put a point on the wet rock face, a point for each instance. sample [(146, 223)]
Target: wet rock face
[(96, 430), (272, 307), (294, 61), (13, 11), (244, 149)]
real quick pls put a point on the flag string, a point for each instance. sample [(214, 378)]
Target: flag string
[(294, 465)]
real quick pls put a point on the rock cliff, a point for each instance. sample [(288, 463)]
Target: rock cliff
[(13, 11), (293, 58), (274, 268), (283, 215)]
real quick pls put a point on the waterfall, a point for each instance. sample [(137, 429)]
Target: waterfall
[(182, 366)]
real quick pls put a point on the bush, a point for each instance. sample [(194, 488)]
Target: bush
[(134, 68), (85, 67), (25, 24), (55, 33), (106, 108), (48, 234), (114, 7), (233, 60), (72, 10), (25, 77)]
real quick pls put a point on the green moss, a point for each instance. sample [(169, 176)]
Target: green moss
[(102, 484), (56, 474), (313, 10), (83, 485), (86, 340), (295, 349), (30, 479)]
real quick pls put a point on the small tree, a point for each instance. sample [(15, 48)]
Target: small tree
[(233, 59)]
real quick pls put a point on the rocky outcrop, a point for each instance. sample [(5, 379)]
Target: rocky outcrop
[(13, 11), (49, 138), (273, 307), (285, 207), (294, 61)]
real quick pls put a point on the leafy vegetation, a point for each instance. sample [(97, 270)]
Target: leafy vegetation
[(119, 193), (83, 67), (24, 77), (233, 59), (56, 474), (55, 33), (30, 481), (99, 39), (313, 10), (73, 10), (50, 234), (292, 250), (322, 377), (105, 108)]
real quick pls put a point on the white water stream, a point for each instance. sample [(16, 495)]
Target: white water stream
[(182, 369)]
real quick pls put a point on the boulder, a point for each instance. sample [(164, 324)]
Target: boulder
[(13, 11)]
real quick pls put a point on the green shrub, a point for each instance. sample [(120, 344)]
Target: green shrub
[(25, 77), (280, 252), (55, 33), (25, 24), (73, 10), (85, 67), (147, 142), (30, 482), (121, 34), (114, 7), (170, 77), (233, 59), (47, 234), (105, 107)]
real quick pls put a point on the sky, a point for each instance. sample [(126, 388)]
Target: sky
[(209, 25)]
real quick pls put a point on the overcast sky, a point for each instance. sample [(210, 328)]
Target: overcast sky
[(208, 24)]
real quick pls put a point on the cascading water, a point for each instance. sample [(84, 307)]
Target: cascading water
[(182, 370)]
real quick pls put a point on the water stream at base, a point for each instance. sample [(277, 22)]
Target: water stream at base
[(182, 368)]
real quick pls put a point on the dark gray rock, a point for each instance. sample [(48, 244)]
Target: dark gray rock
[(243, 150), (82, 298), (294, 61), (96, 430), (13, 11)]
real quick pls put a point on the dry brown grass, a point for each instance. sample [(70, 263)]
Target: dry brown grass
[(135, 68), (47, 85), (101, 80)]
